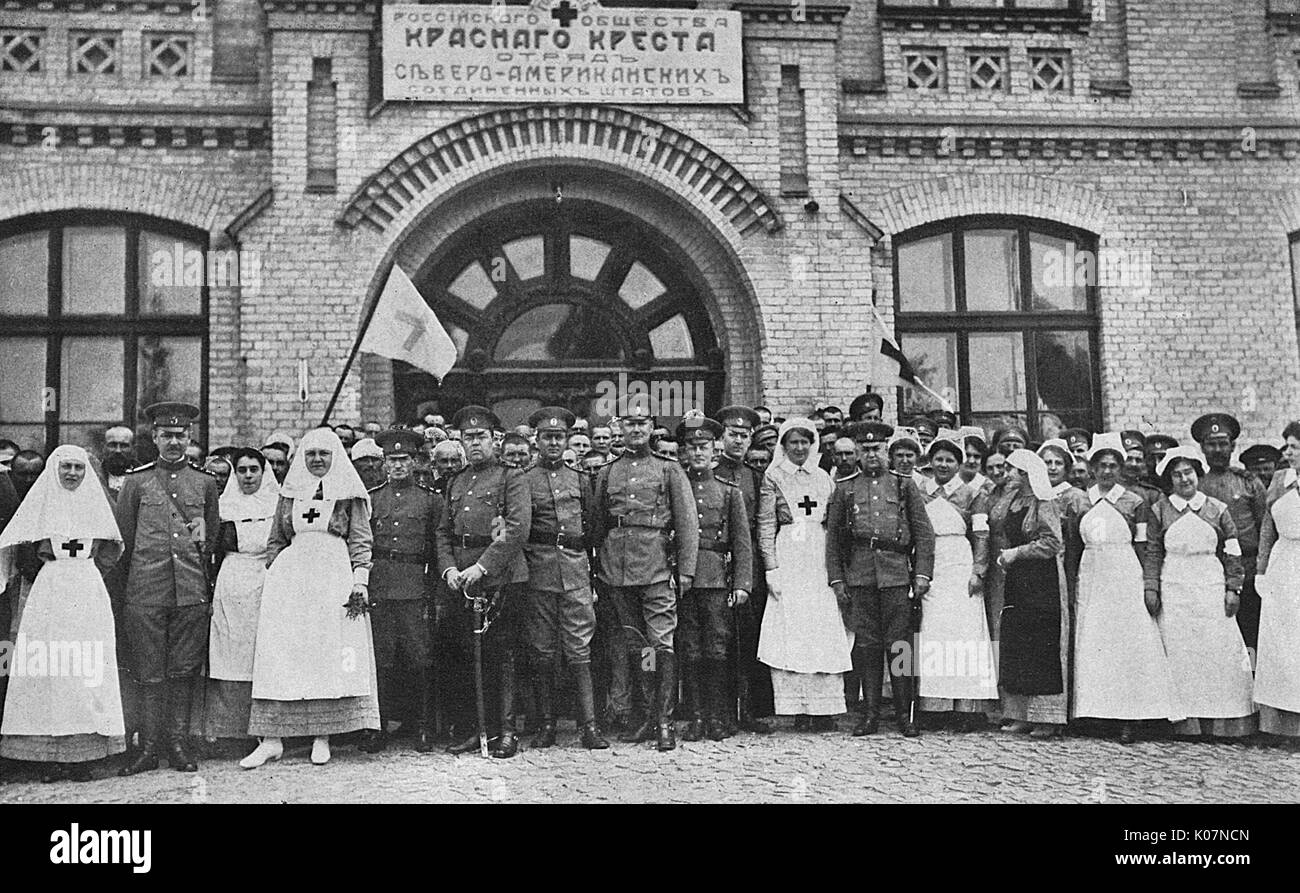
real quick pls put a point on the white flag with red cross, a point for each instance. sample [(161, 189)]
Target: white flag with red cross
[(405, 328)]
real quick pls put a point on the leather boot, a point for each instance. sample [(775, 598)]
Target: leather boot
[(870, 666), (748, 722), (902, 686), (591, 737), (667, 672), (424, 735), (544, 672), (645, 729), (177, 754), (150, 716), (691, 692), (376, 740), (508, 744), (716, 706)]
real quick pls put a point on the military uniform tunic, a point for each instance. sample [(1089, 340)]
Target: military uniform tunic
[(703, 616), (561, 605), (167, 594), (1245, 498), (404, 521), (640, 500)]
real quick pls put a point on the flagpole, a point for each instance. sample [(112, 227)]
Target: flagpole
[(356, 347)]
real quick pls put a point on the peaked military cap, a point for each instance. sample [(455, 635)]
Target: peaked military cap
[(862, 401), (922, 423), (398, 442), (1161, 442), (1260, 452), (1076, 436), (552, 418), (944, 418), (171, 414), (737, 417), (1133, 440), (475, 418), (1214, 423), (871, 432), (693, 429)]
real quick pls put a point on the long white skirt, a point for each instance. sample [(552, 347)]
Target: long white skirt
[(63, 668), (236, 604), (1277, 671), (307, 648), (1207, 655), (1121, 671), (956, 655)]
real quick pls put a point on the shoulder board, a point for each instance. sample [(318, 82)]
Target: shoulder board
[(725, 482), (203, 471), (1241, 472), (426, 488), (145, 467), (848, 477), (380, 487), (906, 477)]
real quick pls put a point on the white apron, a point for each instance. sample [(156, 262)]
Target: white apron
[(956, 654), (236, 603), (307, 648), (1207, 655), (1277, 669), (63, 669), (1120, 669), (802, 630)]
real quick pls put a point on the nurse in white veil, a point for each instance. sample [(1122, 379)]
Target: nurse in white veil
[(803, 638)]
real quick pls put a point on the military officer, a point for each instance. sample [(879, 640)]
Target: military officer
[(866, 407), (644, 519), (167, 512), (1134, 473), (738, 424), (878, 542), (723, 580), (1157, 446), (1078, 440), (561, 611), (1243, 494), (477, 564), (1262, 461), (404, 518)]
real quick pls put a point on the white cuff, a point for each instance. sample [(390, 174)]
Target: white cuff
[(1141, 535), (360, 576), (979, 523), (1232, 547)]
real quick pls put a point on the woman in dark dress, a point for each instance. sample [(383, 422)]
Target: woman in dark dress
[(1026, 537)]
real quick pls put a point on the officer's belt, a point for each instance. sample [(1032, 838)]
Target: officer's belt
[(471, 541), (563, 540), (625, 521), (714, 546), (394, 555), (882, 542)]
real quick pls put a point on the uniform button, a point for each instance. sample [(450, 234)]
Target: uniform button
[(396, 523), (173, 496), (466, 508), (175, 536)]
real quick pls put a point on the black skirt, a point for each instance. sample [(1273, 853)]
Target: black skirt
[(1030, 647)]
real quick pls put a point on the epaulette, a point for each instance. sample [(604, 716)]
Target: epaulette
[(145, 467), (379, 487), (856, 472), (425, 487), (899, 474), (203, 471), (726, 482)]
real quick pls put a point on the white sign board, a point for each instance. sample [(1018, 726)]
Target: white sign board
[(512, 54)]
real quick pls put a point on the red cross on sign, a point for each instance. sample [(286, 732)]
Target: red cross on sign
[(418, 329)]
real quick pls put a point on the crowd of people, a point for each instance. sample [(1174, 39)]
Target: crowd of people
[(450, 578)]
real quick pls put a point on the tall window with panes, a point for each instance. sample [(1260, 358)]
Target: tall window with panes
[(999, 315), (100, 315)]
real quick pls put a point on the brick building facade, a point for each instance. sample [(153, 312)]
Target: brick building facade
[(957, 162)]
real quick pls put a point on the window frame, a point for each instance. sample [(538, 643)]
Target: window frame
[(963, 323), (129, 326)]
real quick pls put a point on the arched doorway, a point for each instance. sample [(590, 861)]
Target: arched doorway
[(564, 302)]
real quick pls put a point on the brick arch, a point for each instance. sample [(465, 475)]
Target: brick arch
[(720, 257), (187, 196), (599, 133), (1021, 195)]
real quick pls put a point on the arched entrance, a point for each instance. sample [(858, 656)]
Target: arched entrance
[(567, 302)]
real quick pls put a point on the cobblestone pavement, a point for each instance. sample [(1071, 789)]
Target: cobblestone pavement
[(939, 767)]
